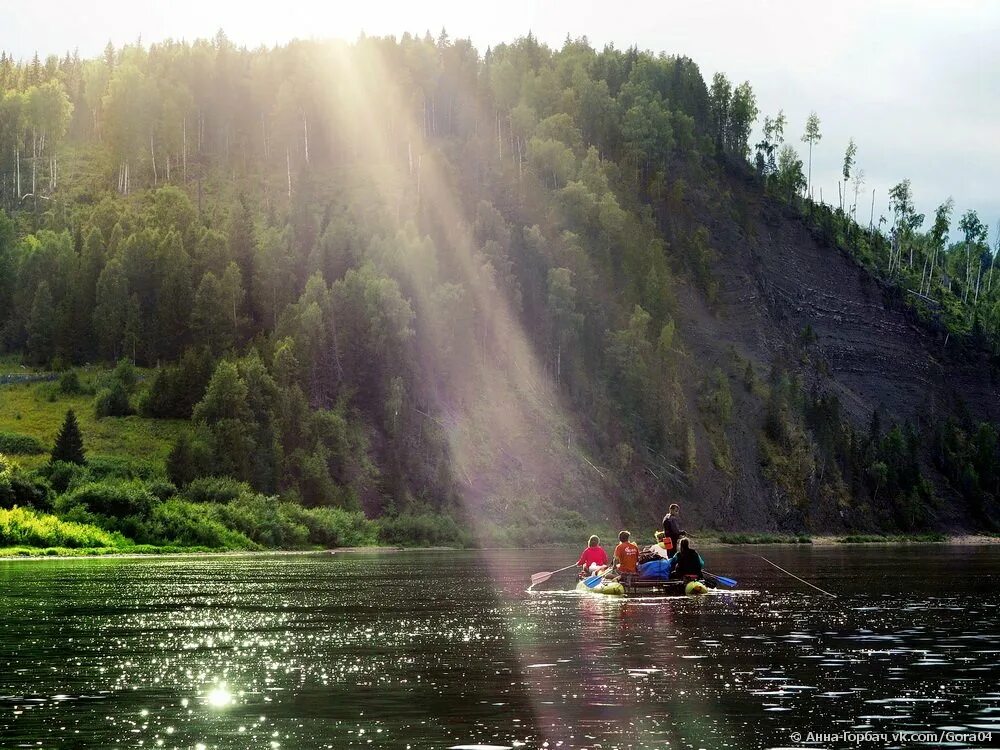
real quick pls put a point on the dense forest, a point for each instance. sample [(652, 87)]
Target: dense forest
[(400, 289)]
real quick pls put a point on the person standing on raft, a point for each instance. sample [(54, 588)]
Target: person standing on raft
[(593, 558), (672, 531)]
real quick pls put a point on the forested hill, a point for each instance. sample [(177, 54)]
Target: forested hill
[(528, 291)]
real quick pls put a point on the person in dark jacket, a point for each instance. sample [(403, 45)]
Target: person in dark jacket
[(672, 531), (687, 561)]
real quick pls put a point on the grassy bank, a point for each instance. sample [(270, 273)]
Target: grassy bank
[(36, 410), (138, 549), (763, 538), (931, 538)]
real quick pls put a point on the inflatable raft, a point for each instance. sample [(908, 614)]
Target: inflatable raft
[(646, 587), (608, 588)]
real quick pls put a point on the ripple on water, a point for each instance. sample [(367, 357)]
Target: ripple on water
[(246, 652)]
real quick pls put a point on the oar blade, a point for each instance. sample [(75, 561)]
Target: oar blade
[(723, 580), (593, 581), (538, 578)]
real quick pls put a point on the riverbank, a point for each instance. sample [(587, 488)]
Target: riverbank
[(707, 542)]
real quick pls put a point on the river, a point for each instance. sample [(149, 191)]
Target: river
[(433, 649)]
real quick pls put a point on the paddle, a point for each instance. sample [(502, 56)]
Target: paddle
[(538, 578), (721, 579), (594, 580)]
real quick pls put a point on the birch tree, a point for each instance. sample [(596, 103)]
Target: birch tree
[(811, 136)]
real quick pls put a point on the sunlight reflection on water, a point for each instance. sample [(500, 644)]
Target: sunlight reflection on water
[(291, 651)]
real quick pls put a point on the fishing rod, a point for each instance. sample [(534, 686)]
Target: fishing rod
[(822, 591)]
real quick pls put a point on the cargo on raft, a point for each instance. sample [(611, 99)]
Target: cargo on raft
[(646, 587)]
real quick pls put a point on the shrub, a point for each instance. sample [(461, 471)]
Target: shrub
[(422, 528), (188, 460), (333, 527), (20, 526), (126, 374), (161, 488), (122, 467), (929, 538), (263, 520), (175, 390), (25, 445), (187, 524), (765, 538), (18, 488), (69, 383), (112, 402), (116, 498), (64, 476), (216, 490)]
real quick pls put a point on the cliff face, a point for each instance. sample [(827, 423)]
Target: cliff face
[(788, 300)]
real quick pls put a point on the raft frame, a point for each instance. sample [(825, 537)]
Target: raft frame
[(656, 587)]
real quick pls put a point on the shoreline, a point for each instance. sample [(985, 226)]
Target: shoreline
[(39, 553)]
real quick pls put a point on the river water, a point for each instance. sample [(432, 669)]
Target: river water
[(444, 649)]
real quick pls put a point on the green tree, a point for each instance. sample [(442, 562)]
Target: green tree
[(811, 136), (790, 178), (234, 299), (849, 159), (566, 321), (974, 233), (719, 99), (938, 238), (209, 318), (182, 466), (111, 309), (242, 239), (113, 401), (42, 326), (69, 442), (225, 411), (742, 116)]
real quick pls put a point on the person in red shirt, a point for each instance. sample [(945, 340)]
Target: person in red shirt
[(626, 555), (593, 558)]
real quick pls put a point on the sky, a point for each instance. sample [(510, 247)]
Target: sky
[(915, 83)]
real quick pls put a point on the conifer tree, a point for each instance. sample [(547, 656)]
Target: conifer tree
[(69, 441)]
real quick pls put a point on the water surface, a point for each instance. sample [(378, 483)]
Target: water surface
[(440, 649)]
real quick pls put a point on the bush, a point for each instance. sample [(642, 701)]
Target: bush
[(126, 374), (187, 524), (25, 445), (333, 527), (161, 488), (424, 528), (263, 520), (112, 402), (175, 390), (929, 538), (64, 476), (20, 526), (115, 498), (18, 488), (765, 538), (69, 383), (121, 467), (216, 490), (188, 460)]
